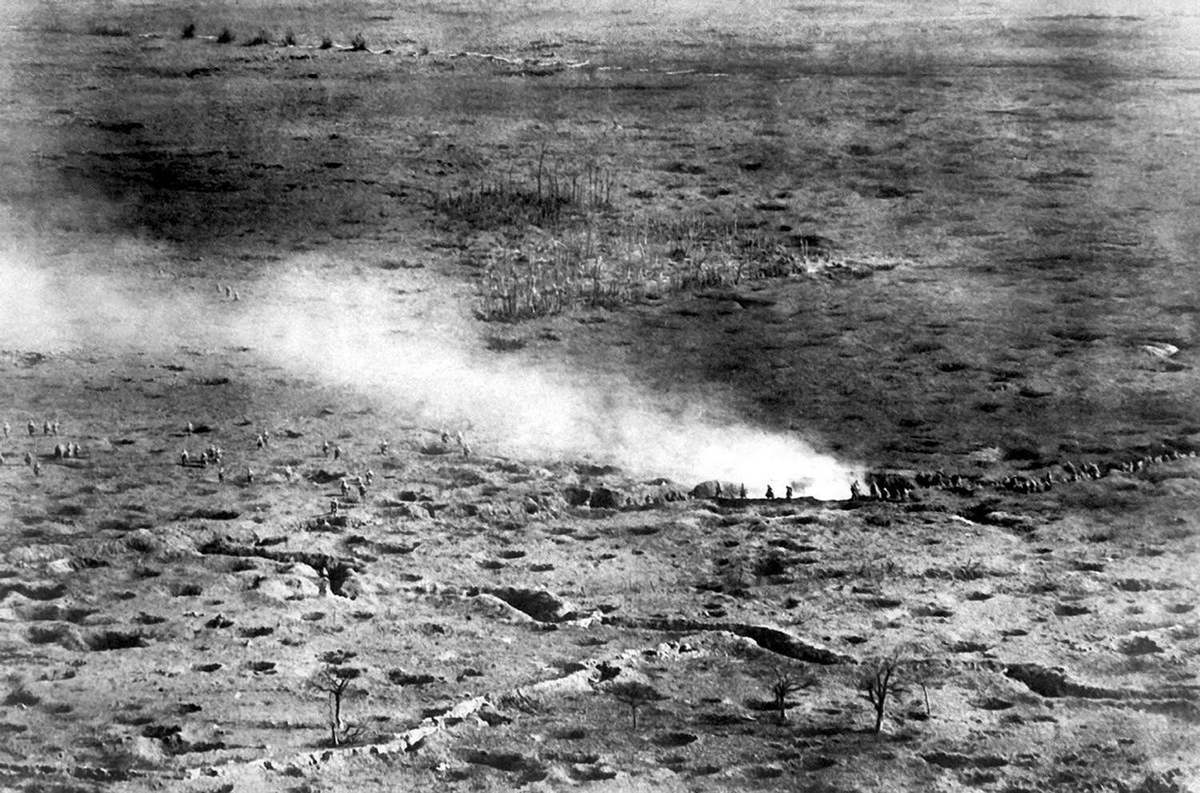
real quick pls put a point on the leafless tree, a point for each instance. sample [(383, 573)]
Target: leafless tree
[(879, 682), (634, 695), (337, 682), (784, 683)]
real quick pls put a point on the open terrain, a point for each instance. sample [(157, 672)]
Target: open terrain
[(540, 277)]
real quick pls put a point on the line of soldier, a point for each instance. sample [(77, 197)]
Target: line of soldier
[(896, 487)]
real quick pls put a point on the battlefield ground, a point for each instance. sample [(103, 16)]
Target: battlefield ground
[(463, 311)]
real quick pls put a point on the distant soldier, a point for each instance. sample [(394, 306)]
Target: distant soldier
[(333, 506), (236, 296), (362, 491), (58, 451), (787, 494), (874, 489), (190, 428), (770, 493), (249, 475), (856, 492), (228, 291), (370, 476), (32, 428), (344, 486), (383, 447), (2, 462), (742, 491), (7, 429), (266, 434), (45, 427), (260, 442), (37, 468), (337, 452), (1071, 470), (28, 458), (289, 472), (54, 428), (220, 474), (184, 457), (325, 449), (718, 490)]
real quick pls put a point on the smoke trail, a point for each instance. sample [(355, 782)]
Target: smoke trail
[(424, 359)]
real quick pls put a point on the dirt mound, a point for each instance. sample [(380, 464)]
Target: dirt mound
[(539, 604)]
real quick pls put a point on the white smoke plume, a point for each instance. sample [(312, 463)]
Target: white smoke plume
[(422, 358)]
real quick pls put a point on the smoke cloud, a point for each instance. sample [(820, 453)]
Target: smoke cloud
[(420, 356)]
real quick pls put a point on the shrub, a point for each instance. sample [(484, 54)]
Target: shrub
[(189, 31), (358, 43), (289, 39), (326, 43), (259, 39), (225, 36)]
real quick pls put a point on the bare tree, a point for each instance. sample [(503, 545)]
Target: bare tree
[(634, 695), (337, 682), (784, 683), (878, 683)]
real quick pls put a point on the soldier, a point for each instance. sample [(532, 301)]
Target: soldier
[(228, 291), (362, 491), (236, 296), (54, 428), (32, 428), (856, 492), (45, 427), (184, 457), (28, 458), (344, 487), (58, 451), (717, 493), (260, 442), (787, 493), (333, 506), (190, 428), (249, 475), (7, 429), (370, 476), (289, 472), (220, 474), (325, 449), (742, 492), (337, 452), (873, 488), (383, 447), (37, 468), (770, 493)]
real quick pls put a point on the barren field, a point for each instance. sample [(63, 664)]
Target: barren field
[(391, 394)]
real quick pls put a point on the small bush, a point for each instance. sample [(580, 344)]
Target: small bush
[(225, 36), (259, 39), (289, 39), (189, 31), (326, 43), (358, 43)]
